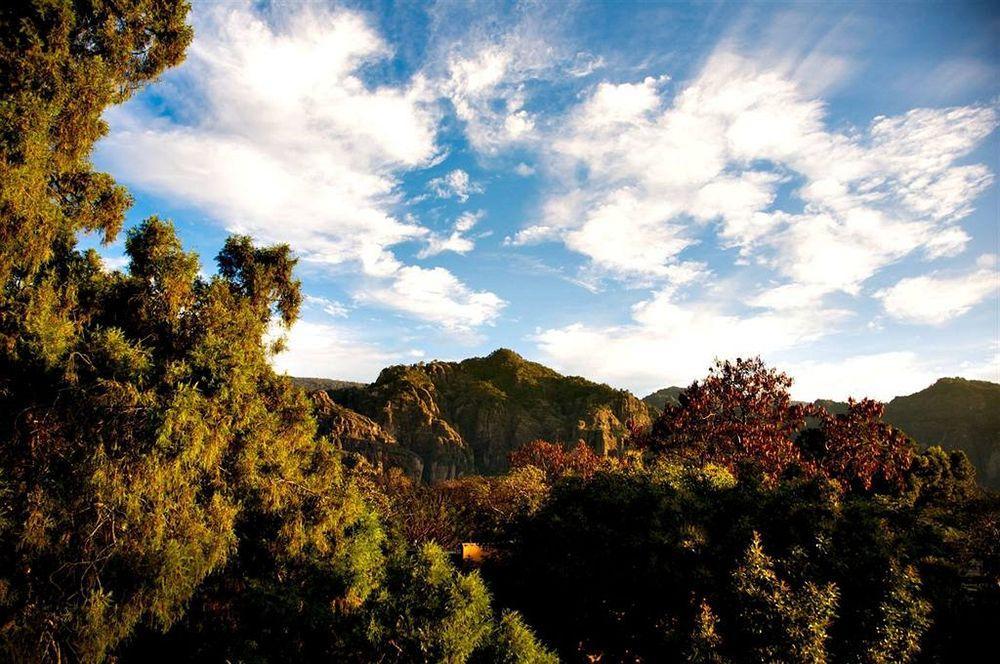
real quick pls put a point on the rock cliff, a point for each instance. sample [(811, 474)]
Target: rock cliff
[(466, 417), (354, 432)]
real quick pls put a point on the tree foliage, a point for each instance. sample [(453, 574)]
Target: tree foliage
[(164, 491), (653, 563), (61, 64), (741, 414), (555, 460)]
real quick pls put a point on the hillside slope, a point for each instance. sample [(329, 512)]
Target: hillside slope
[(955, 413), (466, 417), (659, 399)]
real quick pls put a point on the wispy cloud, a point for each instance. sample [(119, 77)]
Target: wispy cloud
[(454, 184), (458, 240), (289, 143)]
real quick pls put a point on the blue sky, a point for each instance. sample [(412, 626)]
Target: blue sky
[(623, 191)]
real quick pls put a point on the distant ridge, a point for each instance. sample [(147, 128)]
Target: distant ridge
[(660, 398), (313, 384), (955, 413)]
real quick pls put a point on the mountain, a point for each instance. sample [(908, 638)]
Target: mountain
[(660, 398), (313, 384), (465, 417), (955, 413), (439, 420)]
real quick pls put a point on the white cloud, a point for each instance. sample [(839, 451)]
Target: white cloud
[(457, 241), (455, 184), (879, 376), (934, 299), (332, 351), (289, 144), (285, 141), (654, 174), (434, 294), (524, 170), (671, 343), (486, 91), (330, 307), (112, 263), (487, 75)]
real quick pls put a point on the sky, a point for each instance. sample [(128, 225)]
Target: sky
[(620, 190)]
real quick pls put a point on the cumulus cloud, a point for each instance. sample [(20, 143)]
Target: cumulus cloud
[(880, 376), (283, 139), (434, 294), (934, 299), (332, 351), (669, 342), (658, 171)]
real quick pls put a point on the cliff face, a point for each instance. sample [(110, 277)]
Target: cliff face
[(466, 417), (356, 433)]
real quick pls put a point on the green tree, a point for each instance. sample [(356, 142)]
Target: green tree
[(158, 447), (513, 642), (779, 623), (428, 613), (62, 62)]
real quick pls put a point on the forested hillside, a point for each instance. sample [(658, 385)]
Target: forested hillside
[(956, 414)]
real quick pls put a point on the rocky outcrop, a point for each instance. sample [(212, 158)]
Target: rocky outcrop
[(356, 433), (466, 417), (404, 403)]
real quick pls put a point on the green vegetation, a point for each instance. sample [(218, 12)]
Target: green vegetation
[(957, 414), (314, 384), (165, 496), (164, 492), (660, 399), (467, 417)]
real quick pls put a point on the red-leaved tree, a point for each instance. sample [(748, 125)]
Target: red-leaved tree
[(860, 450), (555, 460), (740, 414)]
